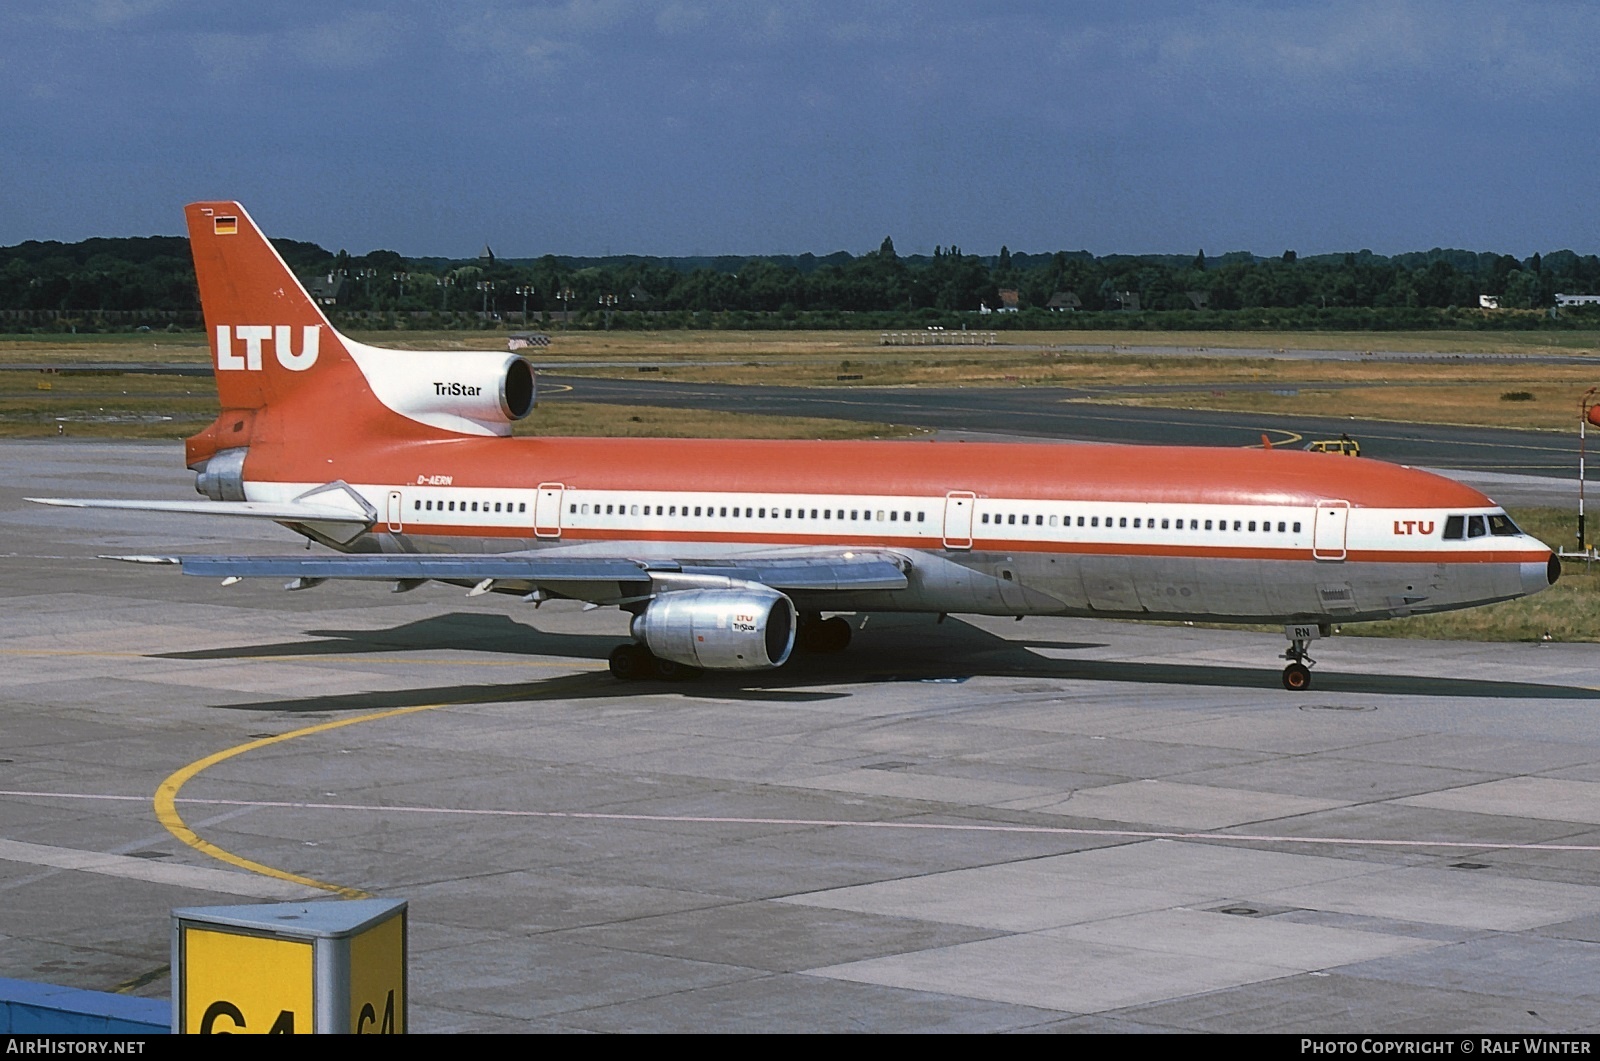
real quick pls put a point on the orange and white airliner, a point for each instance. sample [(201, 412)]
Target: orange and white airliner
[(727, 553)]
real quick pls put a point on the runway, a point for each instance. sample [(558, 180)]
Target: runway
[(1060, 825), (1064, 412)]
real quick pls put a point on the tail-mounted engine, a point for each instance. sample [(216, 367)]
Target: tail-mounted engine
[(719, 629), (474, 392)]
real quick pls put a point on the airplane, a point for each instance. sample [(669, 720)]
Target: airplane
[(728, 554)]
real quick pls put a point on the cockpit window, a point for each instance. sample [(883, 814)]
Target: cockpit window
[(1453, 527), (1477, 527), (1500, 525)]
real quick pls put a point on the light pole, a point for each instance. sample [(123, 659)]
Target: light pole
[(445, 284), (609, 304), (1586, 410), (525, 290), (485, 286), (567, 295)]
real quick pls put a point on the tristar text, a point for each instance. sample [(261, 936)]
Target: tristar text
[(456, 390)]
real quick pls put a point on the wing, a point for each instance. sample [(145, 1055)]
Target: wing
[(596, 579), (290, 512)]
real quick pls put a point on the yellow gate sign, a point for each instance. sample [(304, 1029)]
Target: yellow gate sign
[(378, 979), (290, 968), (237, 983)]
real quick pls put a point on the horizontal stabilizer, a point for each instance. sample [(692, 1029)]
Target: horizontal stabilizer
[(292, 512)]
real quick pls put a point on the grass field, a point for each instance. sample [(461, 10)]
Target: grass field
[(1543, 397)]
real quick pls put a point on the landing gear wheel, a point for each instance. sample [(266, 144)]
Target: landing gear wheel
[(1297, 677), (630, 662)]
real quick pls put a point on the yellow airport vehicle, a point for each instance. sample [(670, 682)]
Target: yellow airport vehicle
[(1343, 445)]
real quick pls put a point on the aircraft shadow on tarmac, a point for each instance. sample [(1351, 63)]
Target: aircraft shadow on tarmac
[(950, 653)]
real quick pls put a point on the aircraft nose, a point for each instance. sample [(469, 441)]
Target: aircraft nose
[(1537, 576)]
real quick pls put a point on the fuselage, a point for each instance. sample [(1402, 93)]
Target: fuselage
[(998, 529)]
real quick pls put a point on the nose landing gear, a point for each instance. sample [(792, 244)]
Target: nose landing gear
[(1297, 675)]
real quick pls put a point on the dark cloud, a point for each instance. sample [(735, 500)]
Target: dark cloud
[(742, 126)]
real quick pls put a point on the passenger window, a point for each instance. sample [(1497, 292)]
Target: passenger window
[(985, 517), (1052, 521), (855, 513), (1094, 521), (1080, 521), (1194, 524), (1297, 528), (1477, 527), (1163, 524), (1024, 521), (908, 517), (1136, 523), (922, 517), (1280, 527), (522, 506), (894, 517)]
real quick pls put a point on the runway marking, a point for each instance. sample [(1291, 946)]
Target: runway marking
[(199, 878), (832, 823)]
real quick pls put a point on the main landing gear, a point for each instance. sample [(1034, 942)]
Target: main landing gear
[(818, 635), (1297, 675), (633, 662)]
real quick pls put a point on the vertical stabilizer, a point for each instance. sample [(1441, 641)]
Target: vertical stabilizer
[(269, 340)]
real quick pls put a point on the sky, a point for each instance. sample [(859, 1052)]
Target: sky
[(685, 127)]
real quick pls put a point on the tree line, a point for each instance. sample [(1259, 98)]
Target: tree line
[(110, 280)]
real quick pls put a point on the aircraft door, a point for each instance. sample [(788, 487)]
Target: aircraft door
[(547, 511), (394, 513), (1329, 531), (958, 507)]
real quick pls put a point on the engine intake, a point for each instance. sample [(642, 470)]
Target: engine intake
[(719, 629)]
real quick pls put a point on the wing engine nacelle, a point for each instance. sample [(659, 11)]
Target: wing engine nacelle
[(471, 391), (719, 629)]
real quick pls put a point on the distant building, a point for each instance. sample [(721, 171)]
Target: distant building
[(1577, 300), (1064, 302), (1199, 299), (326, 290), (1125, 300), (638, 296), (1490, 301), (486, 255), (1009, 300)]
